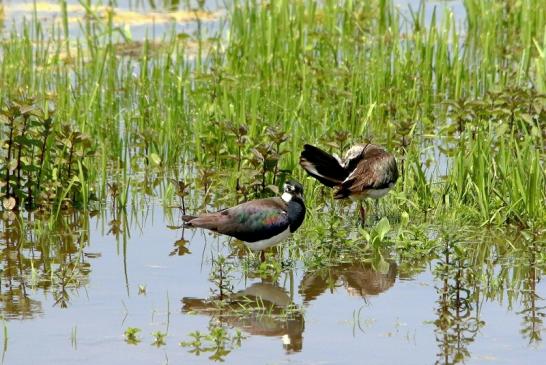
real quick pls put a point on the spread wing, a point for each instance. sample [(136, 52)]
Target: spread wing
[(322, 166), (251, 221)]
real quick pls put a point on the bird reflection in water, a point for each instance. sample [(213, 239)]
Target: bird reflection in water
[(359, 279), (263, 309)]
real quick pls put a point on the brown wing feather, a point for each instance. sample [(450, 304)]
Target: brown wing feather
[(376, 170)]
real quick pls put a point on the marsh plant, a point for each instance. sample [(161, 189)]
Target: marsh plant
[(221, 276), (234, 105), (159, 338), (131, 335), (42, 161), (256, 160), (500, 177), (218, 342)]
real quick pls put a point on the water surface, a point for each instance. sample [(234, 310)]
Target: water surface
[(348, 313)]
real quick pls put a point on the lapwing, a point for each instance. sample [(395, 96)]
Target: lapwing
[(366, 171), (268, 303), (260, 223)]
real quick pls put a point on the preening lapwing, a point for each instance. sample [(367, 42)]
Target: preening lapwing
[(366, 171), (260, 223), (359, 279)]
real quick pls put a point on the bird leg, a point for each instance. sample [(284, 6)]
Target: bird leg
[(362, 212), (376, 209), (262, 256)]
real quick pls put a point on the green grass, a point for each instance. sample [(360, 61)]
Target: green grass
[(229, 119)]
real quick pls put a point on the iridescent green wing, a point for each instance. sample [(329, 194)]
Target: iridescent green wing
[(255, 220)]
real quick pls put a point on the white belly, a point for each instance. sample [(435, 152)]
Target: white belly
[(376, 194), (371, 193), (269, 242)]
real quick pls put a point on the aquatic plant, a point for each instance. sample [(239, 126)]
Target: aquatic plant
[(43, 162), (221, 275), (158, 338), (219, 342), (131, 335)]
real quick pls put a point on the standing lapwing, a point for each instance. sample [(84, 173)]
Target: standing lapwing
[(367, 171), (260, 223), (268, 304)]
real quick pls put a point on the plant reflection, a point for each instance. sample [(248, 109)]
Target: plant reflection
[(179, 246), (481, 268), (533, 312), (33, 257), (458, 321)]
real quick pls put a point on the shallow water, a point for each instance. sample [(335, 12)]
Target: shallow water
[(349, 314), (49, 12), (139, 20)]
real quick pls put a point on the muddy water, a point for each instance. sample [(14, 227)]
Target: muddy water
[(346, 314)]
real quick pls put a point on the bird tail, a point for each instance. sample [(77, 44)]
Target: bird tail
[(195, 305), (342, 192), (208, 221), (188, 220), (322, 166)]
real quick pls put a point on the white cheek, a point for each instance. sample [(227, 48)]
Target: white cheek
[(286, 197), (286, 340)]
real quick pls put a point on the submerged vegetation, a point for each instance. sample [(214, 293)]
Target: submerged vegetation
[(203, 119)]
